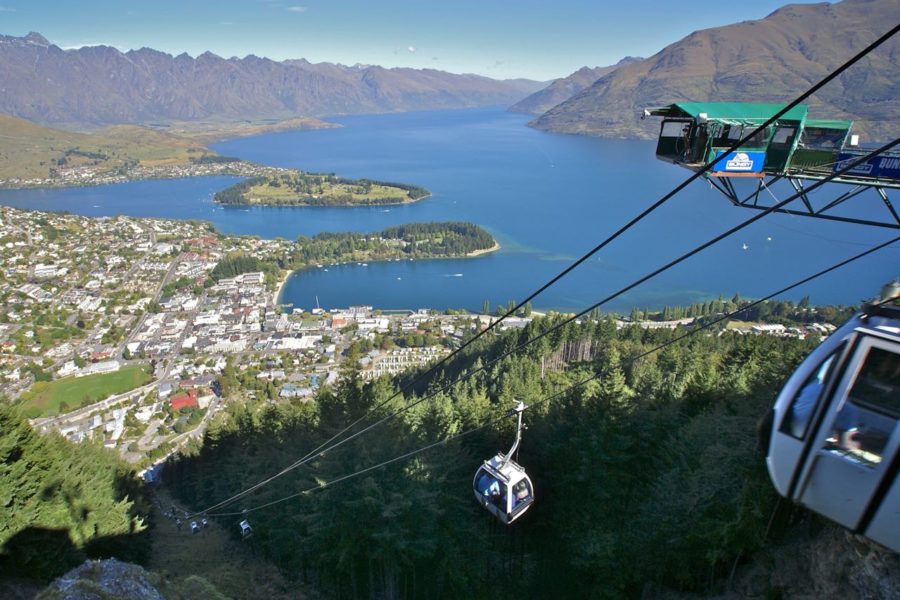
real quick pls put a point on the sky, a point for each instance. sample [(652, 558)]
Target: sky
[(535, 39)]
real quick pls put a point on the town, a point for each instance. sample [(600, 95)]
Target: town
[(120, 331), (113, 330), (100, 174)]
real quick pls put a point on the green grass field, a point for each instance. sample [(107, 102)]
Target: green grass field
[(46, 398)]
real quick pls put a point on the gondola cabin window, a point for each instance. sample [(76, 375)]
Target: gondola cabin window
[(803, 406), (869, 413)]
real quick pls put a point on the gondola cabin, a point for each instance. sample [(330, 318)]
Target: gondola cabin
[(692, 134), (835, 436), (503, 488), (246, 530), (501, 485)]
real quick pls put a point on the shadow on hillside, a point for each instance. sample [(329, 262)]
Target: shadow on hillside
[(43, 554)]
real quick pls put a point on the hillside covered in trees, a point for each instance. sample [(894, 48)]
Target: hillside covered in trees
[(647, 478), (62, 503)]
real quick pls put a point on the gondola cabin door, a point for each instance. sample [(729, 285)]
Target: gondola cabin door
[(851, 476)]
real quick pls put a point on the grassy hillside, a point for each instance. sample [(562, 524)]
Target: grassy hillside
[(207, 132), (215, 555), (28, 150)]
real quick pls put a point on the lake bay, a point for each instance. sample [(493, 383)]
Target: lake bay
[(546, 198)]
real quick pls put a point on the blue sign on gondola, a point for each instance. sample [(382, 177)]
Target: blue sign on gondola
[(742, 161), (881, 167)]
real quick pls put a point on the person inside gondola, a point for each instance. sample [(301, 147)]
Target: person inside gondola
[(868, 415), (490, 488), (521, 493)]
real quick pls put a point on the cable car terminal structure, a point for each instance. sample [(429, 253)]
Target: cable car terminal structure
[(794, 148)]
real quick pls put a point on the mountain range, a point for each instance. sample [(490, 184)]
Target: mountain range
[(564, 88), (100, 85), (769, 60)]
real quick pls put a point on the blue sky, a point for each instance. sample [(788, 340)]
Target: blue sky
[(522, 38)]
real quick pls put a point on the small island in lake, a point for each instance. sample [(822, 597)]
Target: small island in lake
[(297, 188)]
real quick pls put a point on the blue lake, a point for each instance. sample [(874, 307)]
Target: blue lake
[(547, 199)]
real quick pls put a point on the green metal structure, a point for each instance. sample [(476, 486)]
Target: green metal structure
[(794, 148)]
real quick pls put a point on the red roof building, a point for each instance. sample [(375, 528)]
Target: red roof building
[(188, 400)]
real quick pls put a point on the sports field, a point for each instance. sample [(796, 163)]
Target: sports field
[(56, 397)]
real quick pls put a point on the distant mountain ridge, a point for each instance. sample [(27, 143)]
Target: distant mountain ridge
[(770, 60), (564, 88), (100, 85)]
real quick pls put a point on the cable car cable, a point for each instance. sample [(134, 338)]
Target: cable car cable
[(674, 191), (705, 169), (627, 288), (702, 327)]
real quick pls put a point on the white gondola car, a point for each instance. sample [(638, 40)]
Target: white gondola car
[(835, 434), (246, 530), (194, 527), (501, 485)]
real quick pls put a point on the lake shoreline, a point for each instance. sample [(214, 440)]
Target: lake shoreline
[(279, 292), (483, 251), (276, 297)]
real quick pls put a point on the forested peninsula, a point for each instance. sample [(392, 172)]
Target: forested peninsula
[(453, 239), (297, 188)]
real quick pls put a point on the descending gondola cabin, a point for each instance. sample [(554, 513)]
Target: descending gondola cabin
[(835, 436), (501, 485), (503, 488), (246, 530)]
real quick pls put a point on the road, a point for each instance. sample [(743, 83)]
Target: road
[(134, 330)]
